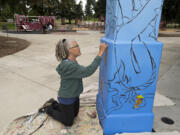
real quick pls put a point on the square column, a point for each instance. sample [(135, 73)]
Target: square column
[(130, 66)]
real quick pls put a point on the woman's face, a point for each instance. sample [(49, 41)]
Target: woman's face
[(75, 49)]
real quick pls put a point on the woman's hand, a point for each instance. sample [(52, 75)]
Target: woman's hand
[(102, 48)]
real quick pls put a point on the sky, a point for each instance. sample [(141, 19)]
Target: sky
[(83, 1)]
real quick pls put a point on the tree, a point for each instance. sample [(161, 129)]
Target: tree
[(21, 7), (170, 9), (79, 11), (89, 9), (6, 13), (67, 9), (93, 3), (177, 18), (51, 6), (100, 8), (3, 2)]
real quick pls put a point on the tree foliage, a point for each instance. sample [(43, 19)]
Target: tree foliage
[(100, 8), (171, 11), (67, 9), (89, 9), (6, 12), (60, 8), (70, 10), (79, 10)]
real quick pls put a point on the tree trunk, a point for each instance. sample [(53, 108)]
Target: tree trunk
[(76, 21), (63, 19), (69, 21)]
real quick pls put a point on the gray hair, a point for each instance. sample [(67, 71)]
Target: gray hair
[(62, 49)]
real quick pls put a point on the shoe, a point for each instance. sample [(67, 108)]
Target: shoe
[(46, 104), (92, 114)]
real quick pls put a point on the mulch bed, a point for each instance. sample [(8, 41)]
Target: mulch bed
[(9, 45)]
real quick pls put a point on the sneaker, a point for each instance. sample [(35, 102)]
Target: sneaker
[(46, 104)]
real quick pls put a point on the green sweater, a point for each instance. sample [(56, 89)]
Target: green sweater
[(71, 76)]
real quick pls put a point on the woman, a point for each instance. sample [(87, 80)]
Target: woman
[(71, 80)]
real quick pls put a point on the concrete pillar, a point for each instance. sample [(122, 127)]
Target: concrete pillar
[(130, 66)]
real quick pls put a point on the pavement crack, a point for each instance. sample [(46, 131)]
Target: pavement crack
[(174, 98)]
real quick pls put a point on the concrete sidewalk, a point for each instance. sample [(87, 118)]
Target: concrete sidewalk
[(158, 133), (28, 78)]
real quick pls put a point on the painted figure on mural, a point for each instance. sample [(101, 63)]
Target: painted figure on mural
[(127, 87)]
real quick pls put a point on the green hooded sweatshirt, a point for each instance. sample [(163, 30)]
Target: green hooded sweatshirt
[(71, 77)]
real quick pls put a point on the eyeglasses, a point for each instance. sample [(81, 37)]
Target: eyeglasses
[(75, 46)]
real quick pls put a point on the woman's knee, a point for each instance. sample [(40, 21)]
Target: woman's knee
[(68, 123)]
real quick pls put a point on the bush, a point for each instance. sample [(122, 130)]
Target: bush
[(6, 13)]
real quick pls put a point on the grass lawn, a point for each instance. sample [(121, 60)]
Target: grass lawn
[(11, 26)]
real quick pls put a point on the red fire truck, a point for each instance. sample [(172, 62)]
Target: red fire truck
[(34, 23)]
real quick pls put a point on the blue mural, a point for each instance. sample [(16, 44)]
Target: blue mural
[(129, 70)]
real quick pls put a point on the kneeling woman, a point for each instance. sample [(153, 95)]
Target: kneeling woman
[(71, 80)]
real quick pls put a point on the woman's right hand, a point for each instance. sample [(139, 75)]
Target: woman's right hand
[(102, 48)]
